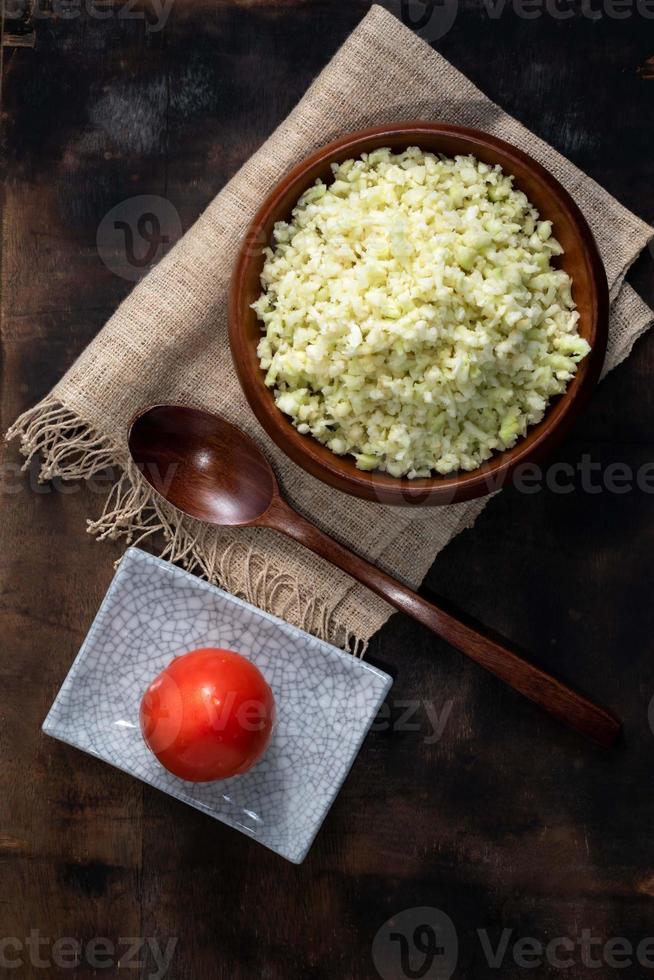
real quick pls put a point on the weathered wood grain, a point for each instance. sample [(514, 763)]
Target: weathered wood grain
[(506, 820)]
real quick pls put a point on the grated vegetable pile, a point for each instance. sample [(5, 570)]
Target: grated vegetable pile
[(412, 316)]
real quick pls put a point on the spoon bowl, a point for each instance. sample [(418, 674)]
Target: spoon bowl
[(202, 465)]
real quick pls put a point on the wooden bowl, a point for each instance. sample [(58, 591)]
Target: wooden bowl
[(581, 261)]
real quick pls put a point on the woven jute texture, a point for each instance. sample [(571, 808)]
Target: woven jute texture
[(168, 343)]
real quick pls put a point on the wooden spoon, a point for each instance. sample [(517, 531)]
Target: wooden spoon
[(212, 471)]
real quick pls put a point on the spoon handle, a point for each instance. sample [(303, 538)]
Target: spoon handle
[(565, 704)]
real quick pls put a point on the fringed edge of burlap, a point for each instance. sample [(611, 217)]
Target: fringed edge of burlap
[(72, 449)]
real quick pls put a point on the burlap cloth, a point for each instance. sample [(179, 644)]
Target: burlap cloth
[(167, 343)]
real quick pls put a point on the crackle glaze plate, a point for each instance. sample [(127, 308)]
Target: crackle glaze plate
[(326, 699)]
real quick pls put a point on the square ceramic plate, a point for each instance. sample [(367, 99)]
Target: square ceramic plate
[(326, 699)]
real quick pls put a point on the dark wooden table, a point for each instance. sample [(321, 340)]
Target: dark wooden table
[(505, 821)]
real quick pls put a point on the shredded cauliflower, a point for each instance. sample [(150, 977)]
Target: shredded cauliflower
[(412, 316)]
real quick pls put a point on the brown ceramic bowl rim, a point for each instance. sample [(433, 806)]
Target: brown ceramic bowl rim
[(381, 487)]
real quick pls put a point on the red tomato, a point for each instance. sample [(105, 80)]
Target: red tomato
[(208, 715)]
